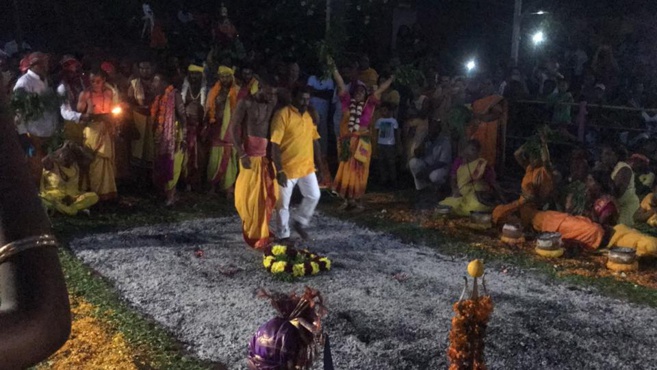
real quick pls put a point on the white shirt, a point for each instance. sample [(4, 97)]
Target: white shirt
[(68, 113), (46, 125), (387, 127)]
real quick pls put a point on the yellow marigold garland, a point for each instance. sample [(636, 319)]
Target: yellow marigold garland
[(92, 344), (280, 259)]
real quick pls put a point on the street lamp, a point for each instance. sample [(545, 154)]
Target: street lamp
[(538, 38), (515, 37), (470, 65)]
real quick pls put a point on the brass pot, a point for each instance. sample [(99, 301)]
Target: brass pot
[(512, 231), (549, 241), (482, 218), (622, 255)]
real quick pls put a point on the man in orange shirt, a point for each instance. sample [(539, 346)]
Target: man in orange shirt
[(296, 155)]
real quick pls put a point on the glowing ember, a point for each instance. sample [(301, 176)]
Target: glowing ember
[(117, 110)]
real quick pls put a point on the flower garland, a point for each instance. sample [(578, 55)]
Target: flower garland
[(280, 259), (466, 349), (355, 111)]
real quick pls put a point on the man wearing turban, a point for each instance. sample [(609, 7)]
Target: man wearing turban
[(194, 96), (222, 164), (38, 128)]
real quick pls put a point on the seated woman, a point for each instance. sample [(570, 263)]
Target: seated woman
[(60, 182), (537, 185), (623, 177), (606, 211), (647, 212), (579, 229), (473, 182)]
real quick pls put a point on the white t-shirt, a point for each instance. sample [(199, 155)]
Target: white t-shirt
[(387, 127)]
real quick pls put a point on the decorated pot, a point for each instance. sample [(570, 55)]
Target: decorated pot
[(622, 259), (549, 241), (482, 218), (512, 231), (443, 211), (622, 255)]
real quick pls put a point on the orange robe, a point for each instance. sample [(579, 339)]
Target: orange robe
[(536, 187), (572, 228), (487, 133)]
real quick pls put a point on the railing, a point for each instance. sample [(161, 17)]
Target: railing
[(525, 116)]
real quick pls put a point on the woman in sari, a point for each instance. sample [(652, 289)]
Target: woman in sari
[(490, 115), (169, 131), (355, 146), (473, 182), (99, 135), (537, 184), (585, 231), (612, 159), (60, 182)]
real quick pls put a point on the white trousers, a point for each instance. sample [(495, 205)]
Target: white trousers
[(310, 190), (438, 177)]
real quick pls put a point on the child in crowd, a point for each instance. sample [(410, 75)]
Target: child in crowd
[(388, 145)]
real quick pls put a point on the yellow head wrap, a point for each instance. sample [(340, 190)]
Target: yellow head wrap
[(195, 68), (223, 70)]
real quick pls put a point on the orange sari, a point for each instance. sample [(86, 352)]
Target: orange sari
[(536, 187), (487, 133), (572, 228)]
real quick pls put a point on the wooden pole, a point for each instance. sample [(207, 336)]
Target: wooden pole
[(328, 18), (515, 37), (19, 29)]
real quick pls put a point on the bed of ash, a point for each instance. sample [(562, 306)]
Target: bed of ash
[(390, 303)]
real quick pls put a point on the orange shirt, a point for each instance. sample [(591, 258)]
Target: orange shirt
[(295, 133)]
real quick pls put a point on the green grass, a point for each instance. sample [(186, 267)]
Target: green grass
[(414, 233), (155, 347)]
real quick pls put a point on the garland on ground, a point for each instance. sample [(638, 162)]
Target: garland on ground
[(281, 259), (466, 338)]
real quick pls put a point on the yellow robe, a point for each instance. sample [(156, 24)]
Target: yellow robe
[(64, 195), (469, 178), (628, 237), (629, 201), (98, 138), (646, 205), (255, 194)]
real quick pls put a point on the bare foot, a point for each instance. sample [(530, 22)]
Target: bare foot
[(299, 228)]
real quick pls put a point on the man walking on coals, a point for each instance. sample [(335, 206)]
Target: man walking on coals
[(255, 189), (296, 155)]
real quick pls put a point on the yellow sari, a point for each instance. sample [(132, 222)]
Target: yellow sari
[(470, 180), (628, 237), (60, 191), (98, 138)]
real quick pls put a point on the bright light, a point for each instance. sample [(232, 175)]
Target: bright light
[(470, 65), (538, 37), (540, 12), (117, 110)]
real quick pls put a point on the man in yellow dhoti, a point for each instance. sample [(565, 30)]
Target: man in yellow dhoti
[(256, 188), (169, 133), (222, 100), (60, 183), (473, 183), (99, 135), (140, 97)]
